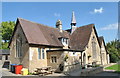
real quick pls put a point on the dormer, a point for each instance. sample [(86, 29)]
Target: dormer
[(64, 41)]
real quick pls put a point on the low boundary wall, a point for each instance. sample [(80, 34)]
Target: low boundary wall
[(91, 71)]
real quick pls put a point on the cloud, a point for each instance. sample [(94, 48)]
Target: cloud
[(100, 10), (110, 27), (57, 14)]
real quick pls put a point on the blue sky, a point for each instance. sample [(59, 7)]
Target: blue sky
[(103, 14)]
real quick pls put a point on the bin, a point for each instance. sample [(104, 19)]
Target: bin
[(12, 68), (24, 71), (18, 69)]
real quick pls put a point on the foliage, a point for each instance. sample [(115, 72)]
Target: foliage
[(66, 57), (117, 72), (30, 73), (0, 42), (4, 45), (96, 66), (7, 29), (113, 50)]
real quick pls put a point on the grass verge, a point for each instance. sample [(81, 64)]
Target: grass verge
[(115, 67)]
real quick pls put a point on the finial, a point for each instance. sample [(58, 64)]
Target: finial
[(73, 20)]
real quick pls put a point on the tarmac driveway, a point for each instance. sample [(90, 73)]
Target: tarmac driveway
[(6, 74)]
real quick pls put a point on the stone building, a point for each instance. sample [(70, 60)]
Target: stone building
[(104, 53), (4, 57), (4, 54), (35, 45)]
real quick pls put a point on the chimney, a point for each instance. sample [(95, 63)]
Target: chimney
[(59, 25), (73, 23)]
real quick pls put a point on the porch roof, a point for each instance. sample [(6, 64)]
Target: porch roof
[(65, 50), (4, 52)]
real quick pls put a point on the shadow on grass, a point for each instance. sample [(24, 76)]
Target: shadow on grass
[(117, 72)]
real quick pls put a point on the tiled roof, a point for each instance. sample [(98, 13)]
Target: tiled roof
[(44, 35), (80, 37), (41, 34), (4, 51), (101, 39)]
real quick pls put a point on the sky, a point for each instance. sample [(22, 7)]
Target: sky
[(103, 14)]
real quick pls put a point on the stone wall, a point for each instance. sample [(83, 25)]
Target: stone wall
[(104, 54), (73, 57), (59, 56), (34, 61), (24, 60), (88, 51)]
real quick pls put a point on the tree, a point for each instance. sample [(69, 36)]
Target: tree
[(7, 29), (113, 50), (4, 45)]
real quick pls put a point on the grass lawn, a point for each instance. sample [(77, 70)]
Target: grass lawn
[(115, 67)]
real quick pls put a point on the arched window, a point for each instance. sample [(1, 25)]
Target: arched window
[(19, 46), (94, 47)]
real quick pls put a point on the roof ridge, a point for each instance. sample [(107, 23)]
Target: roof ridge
[(39, 23), (86, 25)]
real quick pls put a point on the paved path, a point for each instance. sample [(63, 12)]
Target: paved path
[(56, 74), (106, 73), (5, 72)]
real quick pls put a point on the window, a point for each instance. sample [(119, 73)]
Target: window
[(63, 40), (43, 54), (6, 57), (66, 41), (39, 53), (103, 57), (53, 59), (19, 47), (94, 48)]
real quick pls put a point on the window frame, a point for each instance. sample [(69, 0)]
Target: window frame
[(18, 53), (53, 60), (6, 57), (43, 53), (64, 41), (39, 53), (94, 53)]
